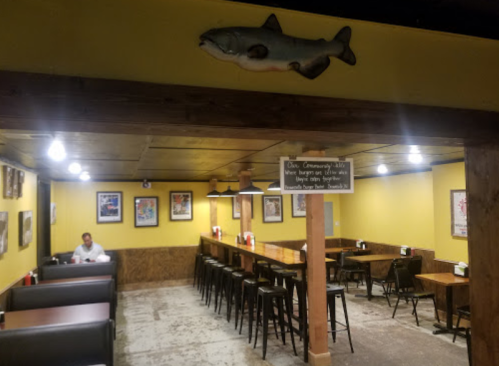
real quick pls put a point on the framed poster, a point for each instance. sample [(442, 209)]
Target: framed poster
[(25, 227), (146, 211), (459, 213), (15, 183), (181, 206), (298, 205), (20, 180), (236, 208), (7, 181), (4, 232), (109, 207), (272, 209), (53, 213)]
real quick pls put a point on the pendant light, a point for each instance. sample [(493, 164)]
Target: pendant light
[(251, 189), (228, 193), (276, 186), (213, 193)]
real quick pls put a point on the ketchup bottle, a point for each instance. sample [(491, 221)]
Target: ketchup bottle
[(27, 280), (248, 240), (217, 234)]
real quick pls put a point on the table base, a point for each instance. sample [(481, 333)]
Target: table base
[(442, 329)]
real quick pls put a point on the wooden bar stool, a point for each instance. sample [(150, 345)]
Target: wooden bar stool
[(250, 291), (332, 293), (266, 296), (236, 293)]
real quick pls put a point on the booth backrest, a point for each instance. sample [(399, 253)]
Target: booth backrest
[(66, 257), (58, 345), (78, 270), (63, 294)]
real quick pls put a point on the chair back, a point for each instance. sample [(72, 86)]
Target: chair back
[(344, 262), (391, 271), (403, 279), (58, 345), (415, 265)]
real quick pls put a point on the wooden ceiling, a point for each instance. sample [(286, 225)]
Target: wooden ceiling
[(137, 157)]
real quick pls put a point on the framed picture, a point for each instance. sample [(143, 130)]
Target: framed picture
[(181, 206), (109, 207), (459, 213), (146, 211), (15, 183), (272, 209), (298, 205), (25, 228), (236, 208), (53, 213), (4, 232), (20, 180), (7, 181)]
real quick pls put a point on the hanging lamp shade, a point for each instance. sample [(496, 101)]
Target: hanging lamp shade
[(228, 193), (213, 193), (276, 186), (251, 189)]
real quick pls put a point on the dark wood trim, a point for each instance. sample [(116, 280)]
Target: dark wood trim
[(113, 106)]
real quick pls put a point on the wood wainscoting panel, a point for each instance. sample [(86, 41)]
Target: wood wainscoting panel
[(141, 265)]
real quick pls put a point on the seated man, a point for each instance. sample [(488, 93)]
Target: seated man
[(88, 251)]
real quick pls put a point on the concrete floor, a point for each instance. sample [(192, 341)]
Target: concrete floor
[(171, 326)]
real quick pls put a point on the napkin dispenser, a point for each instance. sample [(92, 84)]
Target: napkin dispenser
[(303, 253), (405, 251), (461, 270)]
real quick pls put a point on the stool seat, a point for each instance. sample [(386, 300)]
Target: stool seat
[(286, 272), (334, 289), (241, 274), (229, 269), (272, 290), (256, 281), (275, 267)]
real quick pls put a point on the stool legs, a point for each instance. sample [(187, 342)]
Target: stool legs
[(346, 319)]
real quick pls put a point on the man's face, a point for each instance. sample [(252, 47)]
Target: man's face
[(87, 240)]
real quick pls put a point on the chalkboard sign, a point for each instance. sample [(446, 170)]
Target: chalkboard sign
[(316, 175)]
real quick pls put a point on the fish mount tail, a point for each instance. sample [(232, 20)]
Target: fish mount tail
[(343, 37)]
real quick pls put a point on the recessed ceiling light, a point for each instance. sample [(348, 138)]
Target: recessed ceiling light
[(84, 176), (74, 168), (57, 151), (414, 149), (415, 158), (382, 169)]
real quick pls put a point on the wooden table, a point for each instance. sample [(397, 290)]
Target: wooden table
[(76, 279), (74, 314), (449, 281), (337, 250), (366, 261), (283, 257)]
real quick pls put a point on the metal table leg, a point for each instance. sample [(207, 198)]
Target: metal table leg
[(448, 328)]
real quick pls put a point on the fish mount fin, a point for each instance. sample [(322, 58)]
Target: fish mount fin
[(258, 51), (313, 69), (343, 37), (272, 24)]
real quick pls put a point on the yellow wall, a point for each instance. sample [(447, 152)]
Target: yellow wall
[(447, 177), (292, 228), (157, 41), (395, 210), (76, 214), (18, 260)]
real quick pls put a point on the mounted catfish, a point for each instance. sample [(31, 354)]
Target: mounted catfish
[(268, 49)]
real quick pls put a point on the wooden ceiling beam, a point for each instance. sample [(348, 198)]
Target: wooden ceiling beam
[(61, 103)]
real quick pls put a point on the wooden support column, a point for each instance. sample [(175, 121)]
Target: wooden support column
[(213, 215), (245, 201), (316, 276), (482, 185)]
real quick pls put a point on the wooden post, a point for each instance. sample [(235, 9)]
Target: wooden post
[(213, 215), (316, 275), (482, 175), (245, 201)]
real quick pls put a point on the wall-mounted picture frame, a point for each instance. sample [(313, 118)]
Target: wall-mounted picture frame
[(109, 207), (298, 205), (236, 208), (15, 183), (53, 213), (7, 181), (4, 232), (459, 213), (181, 206), (272, 209), (146, 211), (25, 228), (20, 180)]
